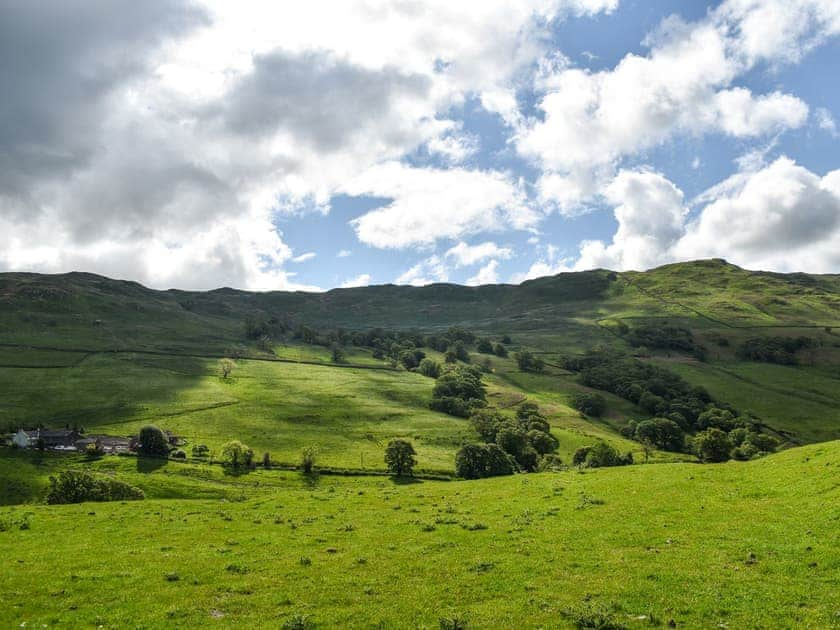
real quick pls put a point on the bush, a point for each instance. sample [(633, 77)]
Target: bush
[(500, 351), (600, 455), (179, 454), (237, 455), (153, 442), (712, 445), (399, 457), (780, 350), (527, 362), (476, 461), (430, 368), (485, 346), (307, 459), (75, 487), (200, 450), (590, 403)]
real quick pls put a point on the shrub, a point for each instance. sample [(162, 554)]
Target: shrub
[(476, 461), (73, 486), (430, 368), (179, 454), (485, 346), (600, 455), (266, 460), (399, 457), (712, 445), (590, 403), (200, 450), (237, 455), (94, 450), (500, 351), (307, 459), (527, 362), (153, 442)]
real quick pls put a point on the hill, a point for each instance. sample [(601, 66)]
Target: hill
[(729, 545), (82, 349)]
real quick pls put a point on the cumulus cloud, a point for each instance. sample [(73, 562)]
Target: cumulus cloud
[(488, 274), (779, 217), (431, 204), (157, 139), (425, 272), (592, 120), (465, 255)]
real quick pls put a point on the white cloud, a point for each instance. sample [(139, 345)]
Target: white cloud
[(650, 217), (362, 280), (826, 122), (488, 274), (779, 217), (592, 120), (156, 139), (465, 255), (304, 257), (432, 204), (344, 253), (425, 272)]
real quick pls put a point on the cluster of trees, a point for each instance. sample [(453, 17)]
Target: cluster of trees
[(663, 337), (459, 391), (780, 350), (509, 444), (528, 362), (73, 486), (678, 409), (403, 347)]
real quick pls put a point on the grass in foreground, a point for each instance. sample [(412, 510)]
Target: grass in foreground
[(739, 545)]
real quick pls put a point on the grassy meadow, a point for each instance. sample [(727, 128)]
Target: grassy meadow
[(739, 545)]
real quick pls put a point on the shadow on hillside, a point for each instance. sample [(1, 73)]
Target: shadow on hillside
[(150, 464)]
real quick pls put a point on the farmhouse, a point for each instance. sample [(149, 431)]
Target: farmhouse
[(57, 439)]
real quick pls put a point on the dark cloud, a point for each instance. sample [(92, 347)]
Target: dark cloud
[(59, 63), (322, 100)]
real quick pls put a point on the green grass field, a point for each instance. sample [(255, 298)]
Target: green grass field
[(739, 545)]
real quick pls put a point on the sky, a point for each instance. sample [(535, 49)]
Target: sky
[(308, 146)]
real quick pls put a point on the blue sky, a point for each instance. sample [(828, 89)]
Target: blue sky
[(201, 144)]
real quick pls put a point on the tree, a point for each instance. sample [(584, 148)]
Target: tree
[(237, 455), (484, 346), (459, 391), (337, 353), (225, 367), (712, 445), (476, 461), (399, 457), (486, 423), (590, 403), (430, 368), (527, 362), (662, 433), (307, 459), (153, 442), (500, 351)]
